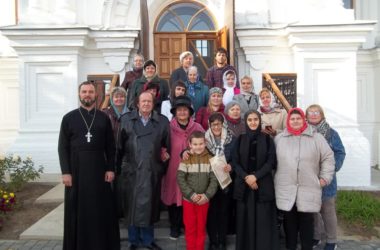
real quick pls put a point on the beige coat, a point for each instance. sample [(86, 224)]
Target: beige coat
[(277, 119), (302, 161)]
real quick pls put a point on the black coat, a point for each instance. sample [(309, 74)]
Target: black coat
[(255, 209), (266, 162), (139, 154)]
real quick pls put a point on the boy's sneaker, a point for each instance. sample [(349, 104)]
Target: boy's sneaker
[(174, 234), (316, 243), (330, 246)]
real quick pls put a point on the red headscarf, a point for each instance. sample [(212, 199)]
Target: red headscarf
[(290, 129)]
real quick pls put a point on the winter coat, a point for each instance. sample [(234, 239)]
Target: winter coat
[(195, 176), (201, 95), (138, 87), (266, 162), (204, 113), (302, 161), (277, 119), (178, 74), (139, 153), (114, 121), (170, 193), (244, 106), (236, 128), (130, 77), (337, 147)]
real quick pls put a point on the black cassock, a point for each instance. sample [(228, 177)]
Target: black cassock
[(90, 220)]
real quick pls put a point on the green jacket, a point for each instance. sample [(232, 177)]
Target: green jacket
[(138, 87), (195, 176)]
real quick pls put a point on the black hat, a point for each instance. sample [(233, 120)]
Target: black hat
[(148, 63), (182, 101)]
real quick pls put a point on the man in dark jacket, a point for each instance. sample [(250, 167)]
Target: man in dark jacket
[(214, 76), (132, 75), (142, 153)]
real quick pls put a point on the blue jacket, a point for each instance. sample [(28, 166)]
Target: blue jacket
[(339, 154), (201, 95)]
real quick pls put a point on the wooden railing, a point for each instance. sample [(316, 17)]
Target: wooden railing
[(104, 85)]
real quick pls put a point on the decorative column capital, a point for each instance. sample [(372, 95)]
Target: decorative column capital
[(115, 46)]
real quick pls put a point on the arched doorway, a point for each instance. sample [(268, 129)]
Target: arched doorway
[(185, 26)]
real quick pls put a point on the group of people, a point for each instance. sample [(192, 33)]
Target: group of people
[(153, 146)]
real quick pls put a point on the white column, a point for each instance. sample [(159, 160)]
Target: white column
[(48, 80)]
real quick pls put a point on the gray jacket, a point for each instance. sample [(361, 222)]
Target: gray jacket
[(244, 106), (302, 161)]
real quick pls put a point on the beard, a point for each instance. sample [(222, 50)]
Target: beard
[(87, 102)]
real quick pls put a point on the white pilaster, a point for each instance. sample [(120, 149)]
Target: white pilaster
[(325, 57), (53, 61)]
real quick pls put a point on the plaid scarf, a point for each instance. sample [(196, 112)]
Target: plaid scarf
[(323, 128), (213, 146)]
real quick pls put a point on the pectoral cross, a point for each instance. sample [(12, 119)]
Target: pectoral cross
[(88, 135)]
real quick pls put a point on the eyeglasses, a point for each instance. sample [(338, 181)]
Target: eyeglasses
[(216, 125), (313, 112)]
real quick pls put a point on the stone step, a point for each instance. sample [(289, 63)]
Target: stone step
[(50, 227)]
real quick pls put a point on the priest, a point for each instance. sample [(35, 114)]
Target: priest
[(86, 150)]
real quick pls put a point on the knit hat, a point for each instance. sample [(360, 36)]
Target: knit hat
[(149, 63), (183, 101), (230, 105), (215, 90)]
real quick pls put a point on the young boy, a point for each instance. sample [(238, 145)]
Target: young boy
[(198, 184)]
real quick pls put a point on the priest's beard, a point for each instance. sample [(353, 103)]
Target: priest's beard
[(87, 102)]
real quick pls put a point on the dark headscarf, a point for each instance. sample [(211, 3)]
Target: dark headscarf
[(252, 133)]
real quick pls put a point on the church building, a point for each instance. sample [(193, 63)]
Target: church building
[(330, 49)]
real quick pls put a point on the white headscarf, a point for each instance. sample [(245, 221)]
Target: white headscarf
[(229, 91)]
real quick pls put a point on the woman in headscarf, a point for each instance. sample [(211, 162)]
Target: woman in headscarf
[(150, 80), (254, 159), (326, 219), (305, 164), (181, 127), (247, 98), (178, 89), (229, 86), (219, 141), (234, 122), (215, 104), (196, 90), (118, 107), (273, 118)]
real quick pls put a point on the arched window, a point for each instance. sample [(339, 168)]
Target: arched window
[(185, 17)]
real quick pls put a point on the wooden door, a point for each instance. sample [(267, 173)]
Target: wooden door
[(223, 38), (167, 48)]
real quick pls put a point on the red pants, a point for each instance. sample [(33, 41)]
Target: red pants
[(195, 218)]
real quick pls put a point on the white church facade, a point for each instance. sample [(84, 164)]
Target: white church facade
[(47, 47)]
